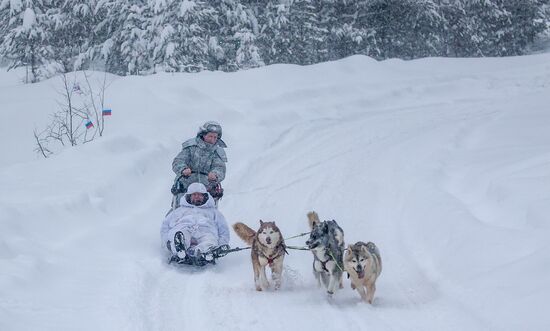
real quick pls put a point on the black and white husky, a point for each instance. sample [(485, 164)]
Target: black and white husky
[(326, 242)]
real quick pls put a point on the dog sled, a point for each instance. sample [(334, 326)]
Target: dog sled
[(204, 259)]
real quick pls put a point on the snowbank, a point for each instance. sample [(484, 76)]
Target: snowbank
[(443, 163)]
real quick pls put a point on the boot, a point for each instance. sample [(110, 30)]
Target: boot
[(179, 245)]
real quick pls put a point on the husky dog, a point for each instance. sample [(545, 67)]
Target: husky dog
[(363, 264), (268, 248), (326, 242)]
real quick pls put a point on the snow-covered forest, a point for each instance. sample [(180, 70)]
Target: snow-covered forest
[(146, 36)]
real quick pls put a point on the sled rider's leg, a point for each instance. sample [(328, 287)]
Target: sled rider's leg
[(186, 238), (206, 241)]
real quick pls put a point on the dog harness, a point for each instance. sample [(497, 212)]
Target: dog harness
[(330, 257), (280, 251), (323, 263)]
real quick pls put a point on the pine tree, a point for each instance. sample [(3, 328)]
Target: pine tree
[(406, 28), (193, 46), (350, 32), (502, 28), (134, 49), (73, 24), (233, 33), (274, 37), (4, 17), (490, 24), (217, 59), (111, 16), (27, 40), (121, 34), (527, 20), (307, 35), (458, 30), (179, 32), (247, 54)]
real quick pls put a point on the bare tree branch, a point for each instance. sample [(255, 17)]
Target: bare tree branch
[(40, 145), (76, 107)]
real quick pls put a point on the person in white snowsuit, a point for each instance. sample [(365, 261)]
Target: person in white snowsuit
[(196, 226)]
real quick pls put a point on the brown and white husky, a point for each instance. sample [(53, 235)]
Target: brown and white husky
[(268, 249), (363, 265)]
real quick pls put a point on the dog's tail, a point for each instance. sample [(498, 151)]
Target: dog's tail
[(244, 232), (313, 219)]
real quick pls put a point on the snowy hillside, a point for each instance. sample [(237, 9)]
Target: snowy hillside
[(443, 163)]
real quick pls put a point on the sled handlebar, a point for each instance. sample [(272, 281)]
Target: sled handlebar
[(194, 172)]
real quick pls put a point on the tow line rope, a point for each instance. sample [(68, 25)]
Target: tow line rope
[(236, 249), (298, 248), (298, 235)]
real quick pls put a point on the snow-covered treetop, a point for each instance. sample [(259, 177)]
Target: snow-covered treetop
[(29, 19)]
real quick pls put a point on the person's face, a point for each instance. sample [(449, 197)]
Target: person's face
[(197, 198), (211, 137)]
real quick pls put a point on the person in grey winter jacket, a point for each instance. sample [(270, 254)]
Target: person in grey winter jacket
[(196, 226), (202, 159)]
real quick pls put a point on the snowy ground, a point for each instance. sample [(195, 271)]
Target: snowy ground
[(443, 163)]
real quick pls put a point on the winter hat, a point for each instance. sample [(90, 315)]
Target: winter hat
[(210, 126), (196, 188)]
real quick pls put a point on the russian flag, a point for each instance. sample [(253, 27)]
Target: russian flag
[(106, 112), (89, 124)]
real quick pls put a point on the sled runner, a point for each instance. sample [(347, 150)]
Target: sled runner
[(203, 259)]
